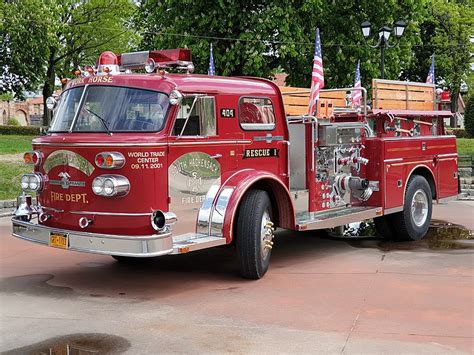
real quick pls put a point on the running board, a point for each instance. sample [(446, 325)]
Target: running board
[(331, 219), (194, 241)]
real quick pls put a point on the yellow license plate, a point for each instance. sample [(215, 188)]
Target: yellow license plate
[(58, 240)]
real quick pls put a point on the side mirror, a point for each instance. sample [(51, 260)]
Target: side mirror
[(51, 103)]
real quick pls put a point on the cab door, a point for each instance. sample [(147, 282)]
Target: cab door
[(197, 159)]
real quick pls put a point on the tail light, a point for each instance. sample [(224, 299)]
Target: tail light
[(110, 160), (111, 185), (33, 157), (32, 182)]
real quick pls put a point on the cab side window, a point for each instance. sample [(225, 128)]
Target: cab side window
[(256, 113), (196, 117)]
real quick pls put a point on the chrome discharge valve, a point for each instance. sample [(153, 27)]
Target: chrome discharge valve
[(357, 186)]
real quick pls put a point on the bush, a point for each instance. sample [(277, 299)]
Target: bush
[(458, 132), (13, 122), (469, 116), (21, 130)]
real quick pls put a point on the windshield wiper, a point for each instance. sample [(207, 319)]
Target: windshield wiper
[(104, 122)]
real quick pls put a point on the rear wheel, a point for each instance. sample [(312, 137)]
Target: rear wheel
[(254, 234), (413, 222)]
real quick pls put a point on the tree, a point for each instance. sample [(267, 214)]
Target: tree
[(445, 31), (67, 33), (469, 116), (260, 37)]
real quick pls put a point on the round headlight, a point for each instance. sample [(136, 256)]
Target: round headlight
[(97, 186), (175, 97), (108, 186), (33, 183), (25, 181)]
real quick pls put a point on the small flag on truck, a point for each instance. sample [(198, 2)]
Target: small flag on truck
[(430, 79), (212, 68), (357, 94), (317, 76)]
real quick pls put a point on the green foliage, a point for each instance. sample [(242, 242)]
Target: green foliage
[(12, 144), (10, 176), (45, 39), (20, 130), (243, 27), (469, 116), (13, 122), (7, 96), (444, 31)]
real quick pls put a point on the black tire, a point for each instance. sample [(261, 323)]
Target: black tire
[(253, 261), (406, 227), (384, 227)]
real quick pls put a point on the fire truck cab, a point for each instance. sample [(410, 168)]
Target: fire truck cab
[(149, 164)]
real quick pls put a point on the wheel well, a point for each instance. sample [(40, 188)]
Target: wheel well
[(282, 212), (426, 173)]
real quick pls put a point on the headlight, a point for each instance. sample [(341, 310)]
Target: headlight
[(32, 182), (98, 185), (111, 185)]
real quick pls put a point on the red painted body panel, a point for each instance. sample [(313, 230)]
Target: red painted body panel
[(391, 159)]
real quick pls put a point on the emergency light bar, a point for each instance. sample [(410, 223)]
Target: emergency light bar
[(176, 58)]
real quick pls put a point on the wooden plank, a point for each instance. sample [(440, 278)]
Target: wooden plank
[(292, 100), (391, 104), (411, 87), (422, 106), (332, 95), (420, 96), (296, 110), (391, 95), (284, 89)]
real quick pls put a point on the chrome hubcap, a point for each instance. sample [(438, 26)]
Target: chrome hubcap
[(266, 234), (419, 208)]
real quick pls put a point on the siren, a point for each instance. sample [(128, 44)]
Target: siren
[(179, 59), (108, 63)]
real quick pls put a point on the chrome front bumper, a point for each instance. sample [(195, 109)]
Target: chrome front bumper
[(134, 246)]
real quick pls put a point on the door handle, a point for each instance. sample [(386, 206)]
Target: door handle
[(216, 156)]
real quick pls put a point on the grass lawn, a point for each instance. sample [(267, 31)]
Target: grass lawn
[(11, 144), (10, 175), (465, 146)]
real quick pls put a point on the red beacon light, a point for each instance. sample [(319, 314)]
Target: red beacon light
[(108, 63), (171, 59)]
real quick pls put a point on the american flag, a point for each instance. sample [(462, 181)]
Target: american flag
[(212, 68), (357, 94), (430, 79), (317, 77)]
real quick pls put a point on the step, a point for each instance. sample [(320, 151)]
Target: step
[(194, 241), (334, 218)]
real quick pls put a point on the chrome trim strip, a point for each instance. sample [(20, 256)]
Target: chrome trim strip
[(348, 217), (392, 160), (136, 246), (392, 210), (204, 214), (269, 138), (40, 207), (218, 211), (417, 138), (447, 155), (210, 142), (112, 213), (447, 199)]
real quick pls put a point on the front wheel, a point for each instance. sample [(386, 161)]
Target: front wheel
[(413, 222), (254, 234)]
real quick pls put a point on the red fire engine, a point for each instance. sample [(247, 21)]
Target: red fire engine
[(143, 164)]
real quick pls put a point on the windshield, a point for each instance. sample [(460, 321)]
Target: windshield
[(110, 108)]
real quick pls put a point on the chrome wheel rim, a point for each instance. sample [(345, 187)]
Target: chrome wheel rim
[(419, 207), (266, 234)]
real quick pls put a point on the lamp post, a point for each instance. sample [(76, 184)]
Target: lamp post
[(384, 35)]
